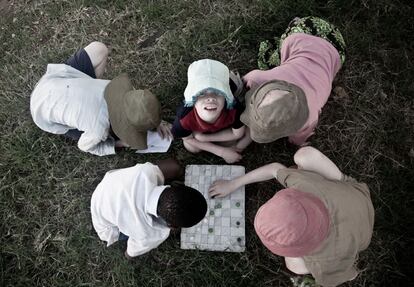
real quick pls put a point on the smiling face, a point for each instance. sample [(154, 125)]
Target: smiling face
[(209, 106)]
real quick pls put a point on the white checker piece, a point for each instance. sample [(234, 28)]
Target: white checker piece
[(223, 228)]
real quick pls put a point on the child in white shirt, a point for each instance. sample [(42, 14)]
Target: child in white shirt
[(135, 202)]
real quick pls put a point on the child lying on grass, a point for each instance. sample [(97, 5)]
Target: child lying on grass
[(319, 222), (287, 95), (72, 100)]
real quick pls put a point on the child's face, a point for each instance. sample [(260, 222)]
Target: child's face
[(209, 106)]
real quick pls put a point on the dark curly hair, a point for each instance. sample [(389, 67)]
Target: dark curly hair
[(181, 206)]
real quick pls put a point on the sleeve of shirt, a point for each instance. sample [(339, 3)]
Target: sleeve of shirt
[(298, 179), (303, 134), (139, 247), (239, 110), (283, 177), (250, 78), (106, 231), (331, 273), (89, 142), (177, 129), (109, 234), (154, 172)]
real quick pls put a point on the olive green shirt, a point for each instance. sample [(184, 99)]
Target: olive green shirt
[(351, 223)]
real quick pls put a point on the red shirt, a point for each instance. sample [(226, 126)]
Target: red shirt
[(188, 121)]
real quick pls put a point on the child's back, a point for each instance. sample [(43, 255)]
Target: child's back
[(310, 63), (135, 202)]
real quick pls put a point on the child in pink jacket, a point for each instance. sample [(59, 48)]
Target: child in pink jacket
[(286, 99)]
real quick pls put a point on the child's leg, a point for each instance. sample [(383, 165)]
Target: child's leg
[(244, 141), (73, 134), (122, 237), (190, 147), (317, 27), (92, 61), (311, 159), (98, 53)]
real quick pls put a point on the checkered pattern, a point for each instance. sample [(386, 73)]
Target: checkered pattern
[(223, 228)]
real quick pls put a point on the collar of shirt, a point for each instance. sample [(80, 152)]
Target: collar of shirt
[(193, 122), (152, 201)]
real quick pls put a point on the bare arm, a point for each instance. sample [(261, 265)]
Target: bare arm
[(221, 188), (170, 168), (164, 130), (229, 134), (227, 153)]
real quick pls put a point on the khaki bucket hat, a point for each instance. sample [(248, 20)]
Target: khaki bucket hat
[(131, 112), (280, 118)]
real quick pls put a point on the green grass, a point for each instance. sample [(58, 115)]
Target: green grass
[(367, 128)]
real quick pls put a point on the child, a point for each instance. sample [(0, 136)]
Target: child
[(134, 202), (287, 99), (72, 100), (319, 222), (209, 117)]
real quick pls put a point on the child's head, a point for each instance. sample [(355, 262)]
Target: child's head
[(181, 206), (292, 223), (208, 89), (274, 110), (131, 112)]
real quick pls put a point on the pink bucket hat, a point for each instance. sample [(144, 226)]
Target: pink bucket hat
[(292, 223)]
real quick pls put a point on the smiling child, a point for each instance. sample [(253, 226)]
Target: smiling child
[(209, 118)]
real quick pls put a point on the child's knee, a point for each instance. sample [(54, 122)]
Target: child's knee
[(98, 51), (306, 155), (99, 47)]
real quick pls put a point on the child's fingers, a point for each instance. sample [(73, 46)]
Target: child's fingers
[(212, 194), (211, 189), (169, 133), (215, 194), (161, 132)]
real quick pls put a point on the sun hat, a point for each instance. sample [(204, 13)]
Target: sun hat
[(208, 75), (283, 117), (292, 223), (131, 112)]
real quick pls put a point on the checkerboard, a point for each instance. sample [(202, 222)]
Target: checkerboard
[(223, 228)]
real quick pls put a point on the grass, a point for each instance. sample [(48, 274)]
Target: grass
[(367, 128)]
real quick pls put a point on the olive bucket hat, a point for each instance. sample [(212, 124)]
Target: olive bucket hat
[(131, 112), (283, 117)]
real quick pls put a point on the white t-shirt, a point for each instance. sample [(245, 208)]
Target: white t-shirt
[(126, 201), (64, 99)]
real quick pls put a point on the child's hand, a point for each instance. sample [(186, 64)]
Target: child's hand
[(120, 144), (221, 188), (230, 155), (164, 130)]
